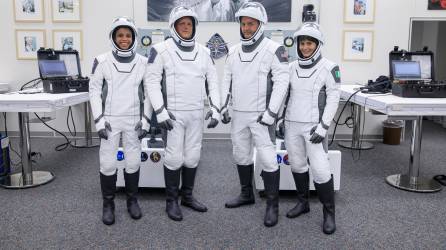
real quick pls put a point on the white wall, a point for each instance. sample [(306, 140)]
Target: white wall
[(391, 27)]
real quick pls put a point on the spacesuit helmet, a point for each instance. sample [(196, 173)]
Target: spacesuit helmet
[(309, 31), (253, 10), (176, 14), (118, 23)]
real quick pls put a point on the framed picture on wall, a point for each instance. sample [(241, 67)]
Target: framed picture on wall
[(68, 40), (357, 45), (66, 11), (217, 11), (28, 10), (28, 42), (359, 11), (436, 4)]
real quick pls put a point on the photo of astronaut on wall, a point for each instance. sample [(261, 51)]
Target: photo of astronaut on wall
[(217, 10)]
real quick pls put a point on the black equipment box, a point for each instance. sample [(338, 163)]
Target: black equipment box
[(419, 90), (60, 71), (413, 76)]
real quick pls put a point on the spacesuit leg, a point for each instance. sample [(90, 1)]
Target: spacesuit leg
[(270, 173), (265, 148), (295, 145), (192, 150), (108, 174), (243, 153), (323, 182), (172, 166), (173, 159), (132, 152)]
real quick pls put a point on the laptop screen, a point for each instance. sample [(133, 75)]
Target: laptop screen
[(406, 69), (52, 68)]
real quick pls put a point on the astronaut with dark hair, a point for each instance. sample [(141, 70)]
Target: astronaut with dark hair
[(120, 109), (180, 76), (312, 104)]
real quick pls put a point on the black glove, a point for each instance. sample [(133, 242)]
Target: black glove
[(141, 132), (102, 133), (315, 137), (280, 131), (214, 122), (225, 116), (168, 124)]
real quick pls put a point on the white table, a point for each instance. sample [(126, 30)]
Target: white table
[(408, 109), (24, 103)]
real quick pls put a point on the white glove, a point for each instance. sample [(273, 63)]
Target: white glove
[(266, 119)]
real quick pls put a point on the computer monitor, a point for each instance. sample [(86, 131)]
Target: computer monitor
[(52, 68), (406, 69)]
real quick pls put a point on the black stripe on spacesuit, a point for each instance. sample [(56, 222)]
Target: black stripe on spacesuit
[(141, 99), (298, 76), (287, 99), (104, 93), (164, 87), (160, 110), (98, 119), (269, 87), (187, 60), (95, 65), (321, 103), (207, 94), (228, 96), (124, 71), (152, 55)]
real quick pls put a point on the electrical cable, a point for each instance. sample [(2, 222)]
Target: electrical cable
[(340, 114), (24, 85), (62, 146)]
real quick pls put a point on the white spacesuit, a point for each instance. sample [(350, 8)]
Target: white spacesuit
[(312, 104), (180, 75), (256, 78), (118, 105)]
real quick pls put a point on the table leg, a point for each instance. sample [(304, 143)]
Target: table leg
[(356, 142), (27, 178), (412, 181), (88, 141)]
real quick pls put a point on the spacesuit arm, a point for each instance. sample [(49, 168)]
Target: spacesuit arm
[(226, 89), (95, 92), (152, 84), (212, 89), (147, 115), (280, 78), (332, 85)]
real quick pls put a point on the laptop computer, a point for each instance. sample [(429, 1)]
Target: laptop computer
[(52, 68), (407, 71)]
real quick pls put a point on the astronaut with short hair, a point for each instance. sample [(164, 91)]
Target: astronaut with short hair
[(118, 105), (312, 104), (256, 78), (179, 76)]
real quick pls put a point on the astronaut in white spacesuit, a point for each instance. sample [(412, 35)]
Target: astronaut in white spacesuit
[(120, 108), (179, 76), (312, 104), (256, 78)]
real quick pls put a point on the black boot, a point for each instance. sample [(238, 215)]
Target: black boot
[(108, 188), (172, 180), (325, 191), (188, 180), (131, 189), (271, 181), (302, 188), (246, 197)]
